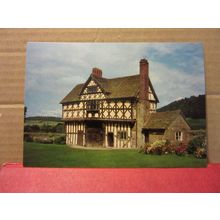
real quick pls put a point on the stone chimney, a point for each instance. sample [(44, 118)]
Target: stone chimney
[(97, 72), (144, 80), (143, 103)]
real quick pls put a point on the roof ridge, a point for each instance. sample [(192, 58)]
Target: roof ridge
[(119, 87), (161, 119), (121, 77)]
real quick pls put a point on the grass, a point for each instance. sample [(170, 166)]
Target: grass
[(51, 155)]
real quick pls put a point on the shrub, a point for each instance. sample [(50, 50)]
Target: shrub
[(43, 140), (200, 153), (52, 129), (59, 128), (27, 128), (46, 128), (157, 147), (181, 150), (159, 143), (35, 128), (148, 150), (164, 147), (196, 142), (28, 138), (31, 128), (157, 150), (142, 149), (60, 140), (169, 148)]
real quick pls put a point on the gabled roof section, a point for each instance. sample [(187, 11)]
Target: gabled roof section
[(153, 91), (95, 79), (120, 87), (73, 95), (162, 120)]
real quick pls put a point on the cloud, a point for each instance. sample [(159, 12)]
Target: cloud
[(53, 69), (171, 83)]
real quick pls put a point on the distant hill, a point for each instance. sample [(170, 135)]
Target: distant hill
[(42, 121), (44, 118), (193, 107)]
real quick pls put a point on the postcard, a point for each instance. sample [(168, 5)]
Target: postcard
[(114, 105)]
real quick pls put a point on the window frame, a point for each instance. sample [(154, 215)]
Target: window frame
[(92, 105), (179, 136), (92, 89), (122, 135)]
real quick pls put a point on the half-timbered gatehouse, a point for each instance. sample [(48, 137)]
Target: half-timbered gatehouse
[(104, 112)]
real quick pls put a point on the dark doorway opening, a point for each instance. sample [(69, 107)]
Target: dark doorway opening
[(80, 138), (94, 134), (146, 135), (110, 139)]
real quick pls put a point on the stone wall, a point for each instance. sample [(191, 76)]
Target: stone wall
[(178, 125)]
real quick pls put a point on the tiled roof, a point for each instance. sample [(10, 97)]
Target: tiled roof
[(161, 120), (114, 88)]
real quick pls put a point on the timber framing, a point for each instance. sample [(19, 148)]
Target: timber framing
[(115, 113)]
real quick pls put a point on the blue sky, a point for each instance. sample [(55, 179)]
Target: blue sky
[(53, 69)]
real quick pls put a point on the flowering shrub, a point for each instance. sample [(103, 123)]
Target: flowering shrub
[(162, 147), (181, 150), (196, 142), (144, 149), (200, 153), (149, 150), (160, 143), (169, 148), (158, 148)]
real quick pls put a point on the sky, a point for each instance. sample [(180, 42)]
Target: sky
[(176, 70)]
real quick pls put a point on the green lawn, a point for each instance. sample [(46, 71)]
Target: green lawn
[(51, 155)]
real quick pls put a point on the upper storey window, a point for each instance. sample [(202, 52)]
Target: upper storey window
[(92, 89), (92, 105)]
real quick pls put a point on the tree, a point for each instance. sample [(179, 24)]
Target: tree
[(25, 112)]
